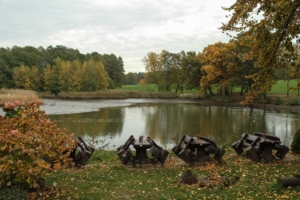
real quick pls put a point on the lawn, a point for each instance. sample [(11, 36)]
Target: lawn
[(279, 88), (142, 88), (104, 177)]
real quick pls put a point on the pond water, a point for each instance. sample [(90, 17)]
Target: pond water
[(115, 120)]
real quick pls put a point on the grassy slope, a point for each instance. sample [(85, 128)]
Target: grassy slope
[(107, 178)]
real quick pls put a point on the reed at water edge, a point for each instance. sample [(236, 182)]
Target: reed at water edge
[(12, 95)]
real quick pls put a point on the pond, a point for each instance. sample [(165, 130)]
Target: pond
[(109, 123)]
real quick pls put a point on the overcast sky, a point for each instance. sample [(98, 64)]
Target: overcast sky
[(126, 28)]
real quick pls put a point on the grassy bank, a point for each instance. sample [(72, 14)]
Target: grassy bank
[(106, 178), (111, 94), (277, 95)]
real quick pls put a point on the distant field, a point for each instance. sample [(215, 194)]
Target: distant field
[(144, 88), (278, 88), (150, 88)]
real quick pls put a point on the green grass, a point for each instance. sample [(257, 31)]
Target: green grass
[(151, 88), (281, 87), (106, 178), (151, 91), (143, 88)]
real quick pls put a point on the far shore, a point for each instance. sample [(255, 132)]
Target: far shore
[(229, 101)]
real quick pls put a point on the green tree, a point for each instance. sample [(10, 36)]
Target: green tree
[(7, 63), (131, 78), (267, 26), (156, 72), (191, 66), (172, 70), (114, 68)]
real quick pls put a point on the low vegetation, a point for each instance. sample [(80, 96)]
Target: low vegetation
[(106, 178), (12, 95), (30, 146)]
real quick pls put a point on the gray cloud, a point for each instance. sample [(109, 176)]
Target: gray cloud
[(129, 29)]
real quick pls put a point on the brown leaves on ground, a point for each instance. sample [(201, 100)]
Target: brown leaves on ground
[(48, 193)]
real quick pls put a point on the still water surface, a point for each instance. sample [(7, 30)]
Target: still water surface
[(163, 120)]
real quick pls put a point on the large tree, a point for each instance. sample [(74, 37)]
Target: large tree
[(267, 26), (94, 76), (191, 66)]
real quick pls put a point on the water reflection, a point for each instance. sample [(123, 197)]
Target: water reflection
[(163, 120), (105, 122)]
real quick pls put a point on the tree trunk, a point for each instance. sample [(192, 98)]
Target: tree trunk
[(242, 90), (210, 92), (287, 87)]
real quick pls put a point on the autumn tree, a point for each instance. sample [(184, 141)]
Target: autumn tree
[(94, 76), (76, 75), (35, 78), (51, 77), (65, 76), (269, 26), (215, 72), (21, 76), (153, 68)]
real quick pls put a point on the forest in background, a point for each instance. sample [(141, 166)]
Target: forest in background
[(58, 69)]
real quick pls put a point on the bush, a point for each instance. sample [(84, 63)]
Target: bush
[(188, 177), (295, 147), (30, 145), (278, 101), (268, 100), (294, 102)]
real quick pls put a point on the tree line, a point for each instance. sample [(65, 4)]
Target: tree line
[(224, 66), (58, 69), (264, 48)]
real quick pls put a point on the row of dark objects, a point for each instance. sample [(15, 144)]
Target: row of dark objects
[(190, 150), (259, 146)]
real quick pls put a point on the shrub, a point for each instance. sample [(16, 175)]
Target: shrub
[(294, 102), (278, 101), (188, 177), (30, 145), (268, 100), (295, 147)]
